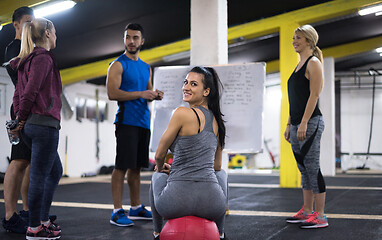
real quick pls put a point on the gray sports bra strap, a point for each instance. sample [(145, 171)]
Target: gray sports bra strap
[(198, 119)]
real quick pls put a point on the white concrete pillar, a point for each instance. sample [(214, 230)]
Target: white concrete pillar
[(209, 32), (327, 107)]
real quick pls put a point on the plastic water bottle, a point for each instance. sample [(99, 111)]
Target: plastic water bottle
[(10, 125)]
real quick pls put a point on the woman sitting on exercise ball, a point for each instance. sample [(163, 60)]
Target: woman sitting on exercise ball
[(195, 185)]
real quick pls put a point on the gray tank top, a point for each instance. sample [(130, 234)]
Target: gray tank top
[(194, 155)]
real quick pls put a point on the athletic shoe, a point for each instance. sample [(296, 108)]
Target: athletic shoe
[(42, 233), (53, 227), (25, 216), (225, 237), (119, 219), (52, 218), (140, 214), (315, 221), (15, 224), (299, 217)]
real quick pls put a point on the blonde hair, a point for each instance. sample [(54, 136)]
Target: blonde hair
[(311, 36), (33, 35)]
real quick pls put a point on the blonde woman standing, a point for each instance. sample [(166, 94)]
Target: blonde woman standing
[(37, 105), (305, 126)]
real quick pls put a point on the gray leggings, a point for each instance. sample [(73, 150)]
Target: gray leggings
[(307, 154), (185, 198)]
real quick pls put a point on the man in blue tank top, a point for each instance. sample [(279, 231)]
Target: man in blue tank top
[(129, 83)]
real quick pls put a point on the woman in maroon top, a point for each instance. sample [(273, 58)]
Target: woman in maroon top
[(37, 105)]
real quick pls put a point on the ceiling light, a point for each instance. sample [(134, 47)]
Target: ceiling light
[(379, 50), (378, 14), (55, 7), (370, 9), (380, 54), (1, 27)]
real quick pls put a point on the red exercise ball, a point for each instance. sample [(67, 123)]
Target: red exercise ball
[(189, 228)]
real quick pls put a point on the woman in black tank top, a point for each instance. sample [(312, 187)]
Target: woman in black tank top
[(305, 126)]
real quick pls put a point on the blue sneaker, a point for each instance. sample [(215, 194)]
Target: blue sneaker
[(119, 219), (140, 214)]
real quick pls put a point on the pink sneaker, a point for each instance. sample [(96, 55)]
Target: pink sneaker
[(299, 217), (315, 221), (42, 233)]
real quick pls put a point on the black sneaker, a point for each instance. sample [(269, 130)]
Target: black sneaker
[(53, 227), (157, 237), (42, 233), (52, 218), (15, 224), (225, 237), (24, 215)]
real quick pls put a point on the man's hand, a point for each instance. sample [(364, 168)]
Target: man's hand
[(149, 95), (160, 95)]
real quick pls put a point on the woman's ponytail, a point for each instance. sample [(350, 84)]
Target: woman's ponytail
[(211, 80), (318, 54), (27, 44), (214, 105)]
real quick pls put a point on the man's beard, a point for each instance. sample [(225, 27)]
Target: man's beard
[(133, 52)]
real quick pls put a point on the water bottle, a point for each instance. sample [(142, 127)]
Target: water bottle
[(10, 125)]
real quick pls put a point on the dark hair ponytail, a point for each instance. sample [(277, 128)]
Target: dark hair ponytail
[(211, 80)]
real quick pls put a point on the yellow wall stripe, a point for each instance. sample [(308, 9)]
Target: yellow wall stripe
[(249, 30), (99, 68)]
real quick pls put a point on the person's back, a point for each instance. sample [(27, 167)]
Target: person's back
[(11, 51), (46, 107), (194, 155)]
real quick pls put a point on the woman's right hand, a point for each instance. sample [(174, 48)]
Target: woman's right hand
[(287, 133), (21, 124), (17, 129), (165, 169)]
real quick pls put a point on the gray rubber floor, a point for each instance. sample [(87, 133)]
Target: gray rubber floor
[(257, 210)]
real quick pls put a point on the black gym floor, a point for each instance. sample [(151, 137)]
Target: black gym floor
[(258, 208)]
